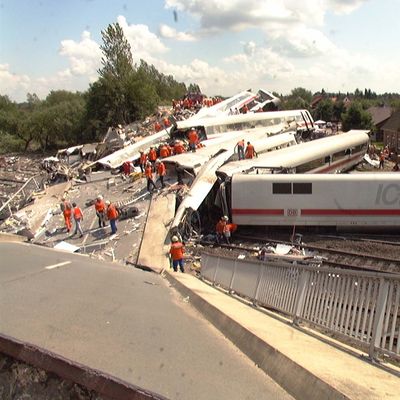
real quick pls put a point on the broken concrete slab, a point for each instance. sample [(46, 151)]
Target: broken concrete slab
[(155, 243)]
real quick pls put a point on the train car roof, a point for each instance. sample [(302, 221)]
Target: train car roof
[(232, 119), (296, 155)]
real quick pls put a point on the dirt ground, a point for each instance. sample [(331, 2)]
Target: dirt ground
[(20, 381)]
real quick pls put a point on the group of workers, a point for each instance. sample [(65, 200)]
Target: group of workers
[(104, 211), (247, 152), (189, 103), (223, 230), (71, 210), (159, 168), (164, 124)]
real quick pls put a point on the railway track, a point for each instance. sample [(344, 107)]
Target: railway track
[(330, 256)]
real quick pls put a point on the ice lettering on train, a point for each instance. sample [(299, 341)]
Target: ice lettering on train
[(388, 195)]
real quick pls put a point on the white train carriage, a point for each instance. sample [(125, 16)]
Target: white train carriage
[(213, 127), (342, 200), (332, 154)]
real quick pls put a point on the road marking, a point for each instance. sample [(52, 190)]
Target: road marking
[(58, 265)]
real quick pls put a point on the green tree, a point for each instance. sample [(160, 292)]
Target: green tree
[(356, 118), (299, 98), (324, 110), (194, 88)]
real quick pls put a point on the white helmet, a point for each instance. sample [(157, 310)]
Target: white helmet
[(225, 218), (174, 239), (108, 202), (99, 197)]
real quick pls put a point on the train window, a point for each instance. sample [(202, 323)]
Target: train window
[(348, 152), (302, 188), (328, 159), (338, 155), (309, 166), (281, 188)]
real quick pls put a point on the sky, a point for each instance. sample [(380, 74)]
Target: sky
[(225, 46)]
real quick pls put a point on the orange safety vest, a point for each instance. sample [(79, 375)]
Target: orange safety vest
[(177, 249), (149, 172), (99, 205), (112, 212), (161, 169), (220, 227), (143, 158), (249, 151), (78, 213), (193, 137), (179, 149), (152, 155), (164, 151)]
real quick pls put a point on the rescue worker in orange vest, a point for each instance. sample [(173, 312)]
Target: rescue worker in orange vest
[(161, 171), (112, 215), (142, 160), (149, 176), (381, 160), (221, 228), (152, 155), (179, 148), (157, 127), (78, 217), (193, 139), (240, 149), (100, 210), (165, 151), (245, 109), (176, 251), (126, 166), (166, 122), (224, 229), (66, 209), (250, 152)]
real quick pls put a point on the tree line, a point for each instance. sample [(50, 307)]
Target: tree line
[(126, 92), (123, 93)]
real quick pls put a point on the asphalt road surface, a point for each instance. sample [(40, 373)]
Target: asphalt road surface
[(123, 321)]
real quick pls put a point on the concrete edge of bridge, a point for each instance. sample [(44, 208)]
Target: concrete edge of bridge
[(102, 383)]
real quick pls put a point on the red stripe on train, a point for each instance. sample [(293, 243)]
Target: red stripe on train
[(245, 211), (350, 212)]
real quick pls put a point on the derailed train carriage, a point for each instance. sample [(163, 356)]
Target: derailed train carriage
[(343, 200), (333, 154)]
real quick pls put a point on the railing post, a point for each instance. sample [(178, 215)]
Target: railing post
[(215, 273), (232, 277), (378, 318), (259, 279), (300, 295)]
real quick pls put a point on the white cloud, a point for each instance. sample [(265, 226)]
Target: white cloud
[(170, 33), (249, 48), (14, 85), (345, 6), (83, 56), (300, 41), (143, 42)]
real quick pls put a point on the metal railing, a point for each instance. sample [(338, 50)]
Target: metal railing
[(20, 197), (359, 305)]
